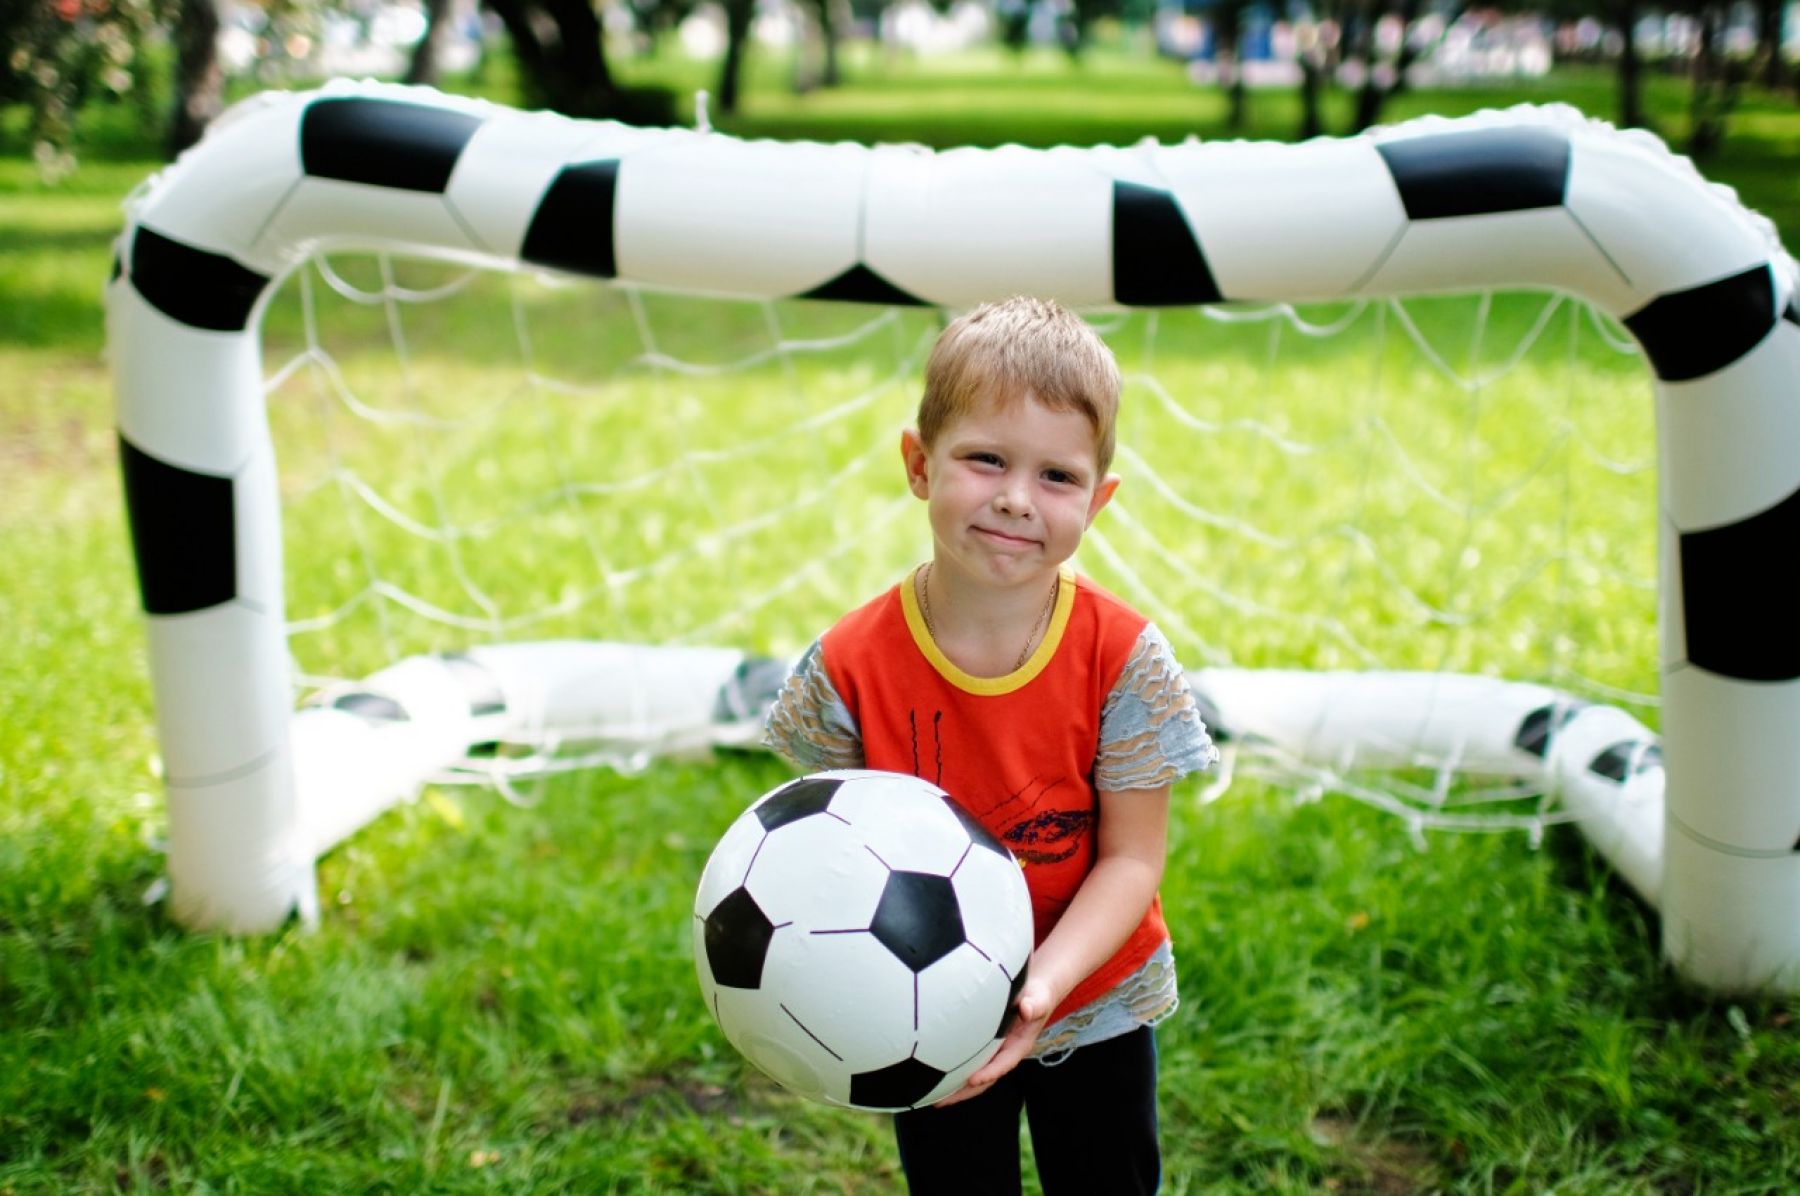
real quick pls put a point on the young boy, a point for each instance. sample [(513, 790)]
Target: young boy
[(1051, 711)]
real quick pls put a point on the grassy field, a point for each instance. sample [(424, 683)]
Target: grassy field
[(502, 998)]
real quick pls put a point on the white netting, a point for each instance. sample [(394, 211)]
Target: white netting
[(1453, 485)]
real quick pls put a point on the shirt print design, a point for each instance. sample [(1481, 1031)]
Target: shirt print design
[(1033, 834)]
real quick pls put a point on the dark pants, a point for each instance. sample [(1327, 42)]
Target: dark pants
[(1093, 1128)]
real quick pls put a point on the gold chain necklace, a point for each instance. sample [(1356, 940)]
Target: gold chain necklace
[(1030, 640)]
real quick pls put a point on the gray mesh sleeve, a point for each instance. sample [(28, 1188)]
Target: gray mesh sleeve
[(1150, 729), (809, 725)]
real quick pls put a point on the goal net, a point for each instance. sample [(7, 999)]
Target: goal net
[(584, 432)]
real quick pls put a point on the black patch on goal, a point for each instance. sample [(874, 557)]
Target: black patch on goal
[(1538, 728), (479, 688), (371, 707), (383, 143), (572, 228), (859, 284), (1157, 261), (1479, 172), (192, 286), (1622, 760), (1739, 595), (183, 532), (1689, 334)]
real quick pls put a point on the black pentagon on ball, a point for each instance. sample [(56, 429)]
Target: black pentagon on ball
[(898, 1086), (797, 800), (918, 918), (737, 940), (979, 835)]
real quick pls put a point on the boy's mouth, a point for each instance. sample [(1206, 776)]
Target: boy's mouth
[(1006, 538)]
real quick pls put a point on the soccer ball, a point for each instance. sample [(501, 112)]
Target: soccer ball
[(861, 939)]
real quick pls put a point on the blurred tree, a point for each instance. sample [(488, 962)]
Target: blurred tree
[(1383, 76), (199, 83), (1317, 53), (1228, 39), (651, 20), (1014, 19), (61, 54), (562, 63), (1771, 18), (1624, 16), (738, 14), (1078, 24), (816, 65), (1717, 83), (422, 68)]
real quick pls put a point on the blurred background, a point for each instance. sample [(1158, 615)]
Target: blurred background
[(128, 75)]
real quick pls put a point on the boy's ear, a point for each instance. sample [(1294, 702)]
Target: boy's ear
[(912, 452), (1102, 495)]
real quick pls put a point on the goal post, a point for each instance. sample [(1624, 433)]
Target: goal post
[(1529, 197)]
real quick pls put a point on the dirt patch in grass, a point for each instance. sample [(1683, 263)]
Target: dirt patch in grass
[(661, 1096), (1380, 1167)]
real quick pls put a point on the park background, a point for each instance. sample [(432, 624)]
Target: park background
[(501, 999)]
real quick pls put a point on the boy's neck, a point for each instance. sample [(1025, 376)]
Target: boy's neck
[(984, 630)]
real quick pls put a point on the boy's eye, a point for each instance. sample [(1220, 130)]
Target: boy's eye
[(985, 458), (1060, 477)]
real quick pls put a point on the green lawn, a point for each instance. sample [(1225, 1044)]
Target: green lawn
[(502, 998)]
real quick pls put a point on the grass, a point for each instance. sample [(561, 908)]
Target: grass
[(501, 999)]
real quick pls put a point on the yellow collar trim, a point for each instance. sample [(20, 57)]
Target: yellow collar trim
[(988, 687)]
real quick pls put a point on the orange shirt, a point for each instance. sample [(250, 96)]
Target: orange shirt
[(1016, 751)]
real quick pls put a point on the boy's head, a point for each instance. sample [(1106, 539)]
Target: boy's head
[(1001, 352)]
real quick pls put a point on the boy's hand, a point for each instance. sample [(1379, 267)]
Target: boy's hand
[(1034, 1006)]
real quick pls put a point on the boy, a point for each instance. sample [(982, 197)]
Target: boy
[(1052, 712)]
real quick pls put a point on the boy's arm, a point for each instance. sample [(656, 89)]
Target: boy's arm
[(809, 726), (1128, 867)]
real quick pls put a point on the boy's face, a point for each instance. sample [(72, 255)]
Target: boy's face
[(1011, 488)]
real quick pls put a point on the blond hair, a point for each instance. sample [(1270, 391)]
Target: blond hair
[(1022, 346)]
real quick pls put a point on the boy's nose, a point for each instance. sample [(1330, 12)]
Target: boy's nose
[(1014, 497)]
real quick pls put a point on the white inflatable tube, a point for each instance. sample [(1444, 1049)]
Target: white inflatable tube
[(1523, 198), (359, 748), (1602, 766)]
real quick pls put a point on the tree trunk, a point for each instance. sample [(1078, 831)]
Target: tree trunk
[(832, 74), (1631, 85), (1717, 85), (737, 38), (1372, 98), (1362, 50), (1703, 134), (1227, 35), (1312, 86), (1770, 25), (816, 64), (569, 74), (423, 68), (199, 78), (1318, 60)]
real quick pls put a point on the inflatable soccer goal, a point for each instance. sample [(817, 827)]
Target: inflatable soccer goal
[(1461, 464)]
